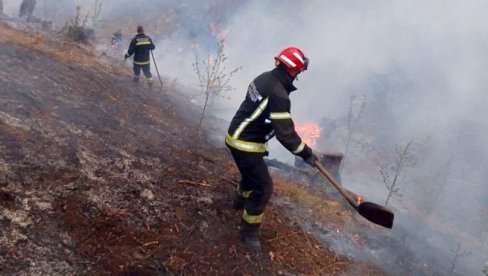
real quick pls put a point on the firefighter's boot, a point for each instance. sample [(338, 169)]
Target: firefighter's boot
[(149, 84), (135, 79), (252, 243), (250, 235)]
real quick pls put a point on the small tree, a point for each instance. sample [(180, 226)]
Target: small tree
[(457, 254), (352, 121), (77, 29), (391, 173), (213, 79)]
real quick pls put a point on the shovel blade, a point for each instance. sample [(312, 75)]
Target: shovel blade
[(376, 214)]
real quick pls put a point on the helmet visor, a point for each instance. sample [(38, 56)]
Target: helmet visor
[(305, 63)]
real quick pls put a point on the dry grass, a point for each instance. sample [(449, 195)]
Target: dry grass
[(137, 142), (319, 203), (61, 49)]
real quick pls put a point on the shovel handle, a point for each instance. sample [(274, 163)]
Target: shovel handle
[(157, 71), (336, 184)]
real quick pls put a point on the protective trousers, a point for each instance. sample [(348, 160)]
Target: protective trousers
[(256, 186), (146, 69)]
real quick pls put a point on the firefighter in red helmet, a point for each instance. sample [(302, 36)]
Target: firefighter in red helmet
[(264, 113)]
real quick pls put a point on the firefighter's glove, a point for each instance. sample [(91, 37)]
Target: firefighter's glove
[(126, 56), (311, 160)]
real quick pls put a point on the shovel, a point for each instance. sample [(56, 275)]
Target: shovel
[(371, 211)]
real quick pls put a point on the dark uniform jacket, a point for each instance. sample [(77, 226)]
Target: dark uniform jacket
[(265, 113), (141, 46)]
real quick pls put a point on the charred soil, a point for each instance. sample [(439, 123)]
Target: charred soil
[(98, 176)]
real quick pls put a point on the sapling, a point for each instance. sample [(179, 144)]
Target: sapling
[(213, 77), (391, 172)]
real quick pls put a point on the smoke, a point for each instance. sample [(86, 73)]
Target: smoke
[(420, 66)]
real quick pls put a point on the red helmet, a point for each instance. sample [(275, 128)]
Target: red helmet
[(293, 58)]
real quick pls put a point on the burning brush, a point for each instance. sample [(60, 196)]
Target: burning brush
[(309, 133)]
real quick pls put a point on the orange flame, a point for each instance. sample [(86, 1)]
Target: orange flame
[(358, 199), (309, 133)]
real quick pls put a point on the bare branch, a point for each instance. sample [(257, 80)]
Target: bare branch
[(352, 121), (403, 159), (213, 78)]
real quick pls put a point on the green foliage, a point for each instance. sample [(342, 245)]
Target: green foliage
[(486, 269)]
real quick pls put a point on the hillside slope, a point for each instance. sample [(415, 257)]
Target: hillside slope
[(100, 177)]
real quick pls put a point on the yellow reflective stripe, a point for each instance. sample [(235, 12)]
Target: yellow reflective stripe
[(279, 115), (253, 117), (245, 146), (299, 148), (246, 194), (252, 219), (142, 62), (143, 43)]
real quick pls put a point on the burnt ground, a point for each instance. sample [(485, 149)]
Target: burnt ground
[(98, 176)]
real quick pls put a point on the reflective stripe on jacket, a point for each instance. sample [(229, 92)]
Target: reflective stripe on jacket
[(265, 113), (141, 46)]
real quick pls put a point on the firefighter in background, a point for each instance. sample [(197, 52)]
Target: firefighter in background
[(264, 113), (27, 8), (141, 47), (116, 39)]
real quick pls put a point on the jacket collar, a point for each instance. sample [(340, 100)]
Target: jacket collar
[(285, 79)]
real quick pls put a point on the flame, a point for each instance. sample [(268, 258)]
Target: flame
[(358, 199), (309, 133)]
